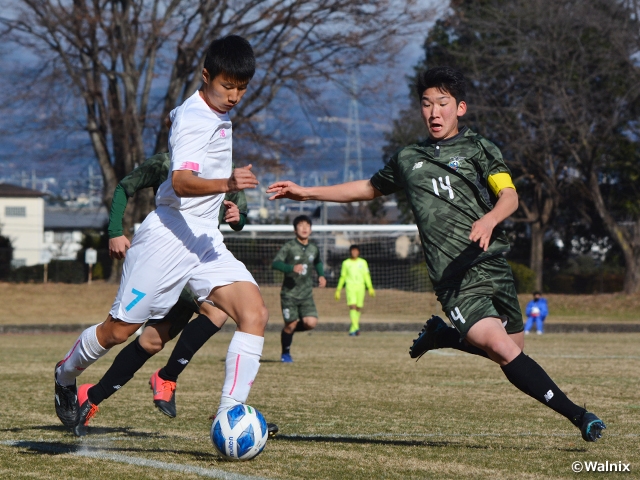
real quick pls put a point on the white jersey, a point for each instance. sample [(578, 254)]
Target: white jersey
[(200, 141)]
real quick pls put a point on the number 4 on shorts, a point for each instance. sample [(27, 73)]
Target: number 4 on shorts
[(456, 315)]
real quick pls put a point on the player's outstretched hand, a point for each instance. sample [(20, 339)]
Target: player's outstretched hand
[(322, 282), (337, 295), (372, 292), (118, 247), (232, 212), (286, 189), (242, 178), (481, 232)]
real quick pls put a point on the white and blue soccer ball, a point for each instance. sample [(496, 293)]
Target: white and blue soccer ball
[(239, 432)]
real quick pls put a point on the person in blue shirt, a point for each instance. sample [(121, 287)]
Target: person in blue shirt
[(537, 310)]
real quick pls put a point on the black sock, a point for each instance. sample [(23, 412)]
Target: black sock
[(193, 337), (286, 339), (530, 378), (130, 359), (450, 338)]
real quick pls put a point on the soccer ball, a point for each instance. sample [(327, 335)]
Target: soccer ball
[(535, 312), (239, 432)]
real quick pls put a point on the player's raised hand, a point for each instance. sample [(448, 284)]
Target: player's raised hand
[(481, 231), (232, 212), (118, 247), (242, 178), (286, 189)]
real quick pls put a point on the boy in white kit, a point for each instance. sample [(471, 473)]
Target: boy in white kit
[(179, 243)]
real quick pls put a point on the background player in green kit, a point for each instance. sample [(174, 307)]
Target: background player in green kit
[(459, 190), (355, 273), (295, 259)]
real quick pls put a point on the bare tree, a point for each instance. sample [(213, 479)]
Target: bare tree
[(129, 62)]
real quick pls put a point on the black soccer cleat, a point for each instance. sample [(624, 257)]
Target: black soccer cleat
[(427, 339), (273, 429), (87, 411), (66, 401), (590, 426)]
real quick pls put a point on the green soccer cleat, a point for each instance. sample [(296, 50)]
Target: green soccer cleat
[(590, 426), (427, 339)]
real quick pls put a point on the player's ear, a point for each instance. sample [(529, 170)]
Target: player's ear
[(205, 76), (462, 108)]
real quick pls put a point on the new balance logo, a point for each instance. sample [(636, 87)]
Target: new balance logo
[(117, 387), (183, 361), (548, 396), (417, 165)]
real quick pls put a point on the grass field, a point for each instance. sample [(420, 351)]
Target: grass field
[(348, 408), (71, 304)]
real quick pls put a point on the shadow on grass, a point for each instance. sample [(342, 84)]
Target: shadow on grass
[(124, 431), (412, 443), (61, 448), (374, 441)]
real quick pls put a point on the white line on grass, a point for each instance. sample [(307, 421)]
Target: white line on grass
[(138, 461)]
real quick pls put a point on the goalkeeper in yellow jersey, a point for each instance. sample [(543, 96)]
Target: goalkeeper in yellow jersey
[(355, 273)]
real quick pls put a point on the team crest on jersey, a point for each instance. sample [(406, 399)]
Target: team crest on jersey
[(454, 162), (311, 258), (417, 165)]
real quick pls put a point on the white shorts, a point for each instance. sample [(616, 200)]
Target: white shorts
[(167, 254)]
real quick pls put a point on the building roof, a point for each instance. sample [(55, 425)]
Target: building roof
[(56, 218), (9, 190)]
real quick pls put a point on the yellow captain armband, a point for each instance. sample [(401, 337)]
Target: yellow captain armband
[(500, 181)]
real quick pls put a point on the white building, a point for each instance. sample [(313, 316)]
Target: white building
[(22, 221)]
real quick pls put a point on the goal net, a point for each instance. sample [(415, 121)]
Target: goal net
[(396, 262)]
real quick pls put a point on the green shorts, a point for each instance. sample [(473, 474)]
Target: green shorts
[(355, 296), (180, 313), (485, 290), (294, 309)]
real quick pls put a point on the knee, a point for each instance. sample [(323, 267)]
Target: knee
[(150, 346), (310, 323)]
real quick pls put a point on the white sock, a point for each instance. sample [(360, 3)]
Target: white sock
[(241, 368), (84, 353)]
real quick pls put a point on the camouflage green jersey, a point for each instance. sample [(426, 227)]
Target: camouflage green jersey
[(446, 185), (152, 173), (298, 286)]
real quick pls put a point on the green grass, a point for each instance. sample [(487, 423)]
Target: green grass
[(348, 408)]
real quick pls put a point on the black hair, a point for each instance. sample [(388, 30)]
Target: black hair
[(354, 247), (447, 79), (536, 293), (233, 56), (301, 218)]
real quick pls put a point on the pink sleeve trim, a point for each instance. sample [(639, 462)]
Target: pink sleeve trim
[(190, 166)]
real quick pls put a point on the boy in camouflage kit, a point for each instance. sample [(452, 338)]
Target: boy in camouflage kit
[(295, 259), (459, 190)]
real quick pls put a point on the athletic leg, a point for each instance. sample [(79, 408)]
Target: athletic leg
[(529, 377), (242, 302)]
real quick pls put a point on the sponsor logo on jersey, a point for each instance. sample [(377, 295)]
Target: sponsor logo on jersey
[(311, 258), (417, 165), (454, 162), (297, 257)]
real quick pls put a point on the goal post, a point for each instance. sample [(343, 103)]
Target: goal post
[(393, 252)]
